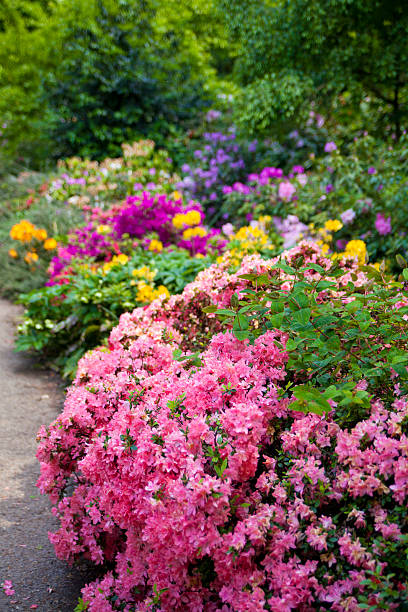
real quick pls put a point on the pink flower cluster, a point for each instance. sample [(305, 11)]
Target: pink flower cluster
[(200, 485)]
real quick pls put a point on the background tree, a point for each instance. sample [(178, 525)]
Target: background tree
[(89, 75), (350, 47)]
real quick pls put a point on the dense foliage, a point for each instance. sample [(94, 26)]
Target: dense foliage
[(81, 78), (299, 50)]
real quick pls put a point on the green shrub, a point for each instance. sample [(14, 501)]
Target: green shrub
[(342, 327), (62, 322)]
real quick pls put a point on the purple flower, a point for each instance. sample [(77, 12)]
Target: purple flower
[(212, 115), (348, 216), (383, 225), (330, 146), (372, 170), (252, 146), (329, 188)]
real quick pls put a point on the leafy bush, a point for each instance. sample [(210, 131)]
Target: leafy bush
[(190, 462), (81, 78), (25, 262), (363, 190), (325, 52), (63, 321)]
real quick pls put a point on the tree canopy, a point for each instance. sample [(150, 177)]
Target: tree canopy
[(340, 46)]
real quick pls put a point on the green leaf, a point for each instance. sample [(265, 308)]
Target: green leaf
[(225, 312), (302, 316), (208, 309), (241, 322)]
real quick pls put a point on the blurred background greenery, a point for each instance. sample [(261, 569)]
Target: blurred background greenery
[(80, 78)]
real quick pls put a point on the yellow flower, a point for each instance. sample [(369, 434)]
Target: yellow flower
[(144, 272), (180, 220), (162, 290), (50, 244), (356, 249), (13, 253), (191, 232), (333, 225), (31, 256), (155, 245), (199, 256), (103, 229), (122, 259), (40, 234), (176, 195)]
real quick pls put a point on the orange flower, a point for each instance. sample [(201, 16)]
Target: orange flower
[(40, 234), (31, 256), (13, 253), (50, 244)]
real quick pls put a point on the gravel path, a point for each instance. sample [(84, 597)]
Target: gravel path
[(29, 398)]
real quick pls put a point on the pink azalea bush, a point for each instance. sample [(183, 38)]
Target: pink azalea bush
[(179, 464)]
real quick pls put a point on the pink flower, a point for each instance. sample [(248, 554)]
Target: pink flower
[(8, 588), (286, 190), (382, 224)]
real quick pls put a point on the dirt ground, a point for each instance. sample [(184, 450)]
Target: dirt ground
[(29, 398)]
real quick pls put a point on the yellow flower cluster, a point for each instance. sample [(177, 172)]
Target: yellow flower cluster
[(26, 231), (189, 219), (31, 257), (155, 245), (251, 237), (50, 244), (116, 260), (356, 249), (248, 239), (146, 293), (191, 232), (103, 229), (333, 225), (145, 273)]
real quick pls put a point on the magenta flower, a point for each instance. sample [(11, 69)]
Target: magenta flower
[(383, 225)]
